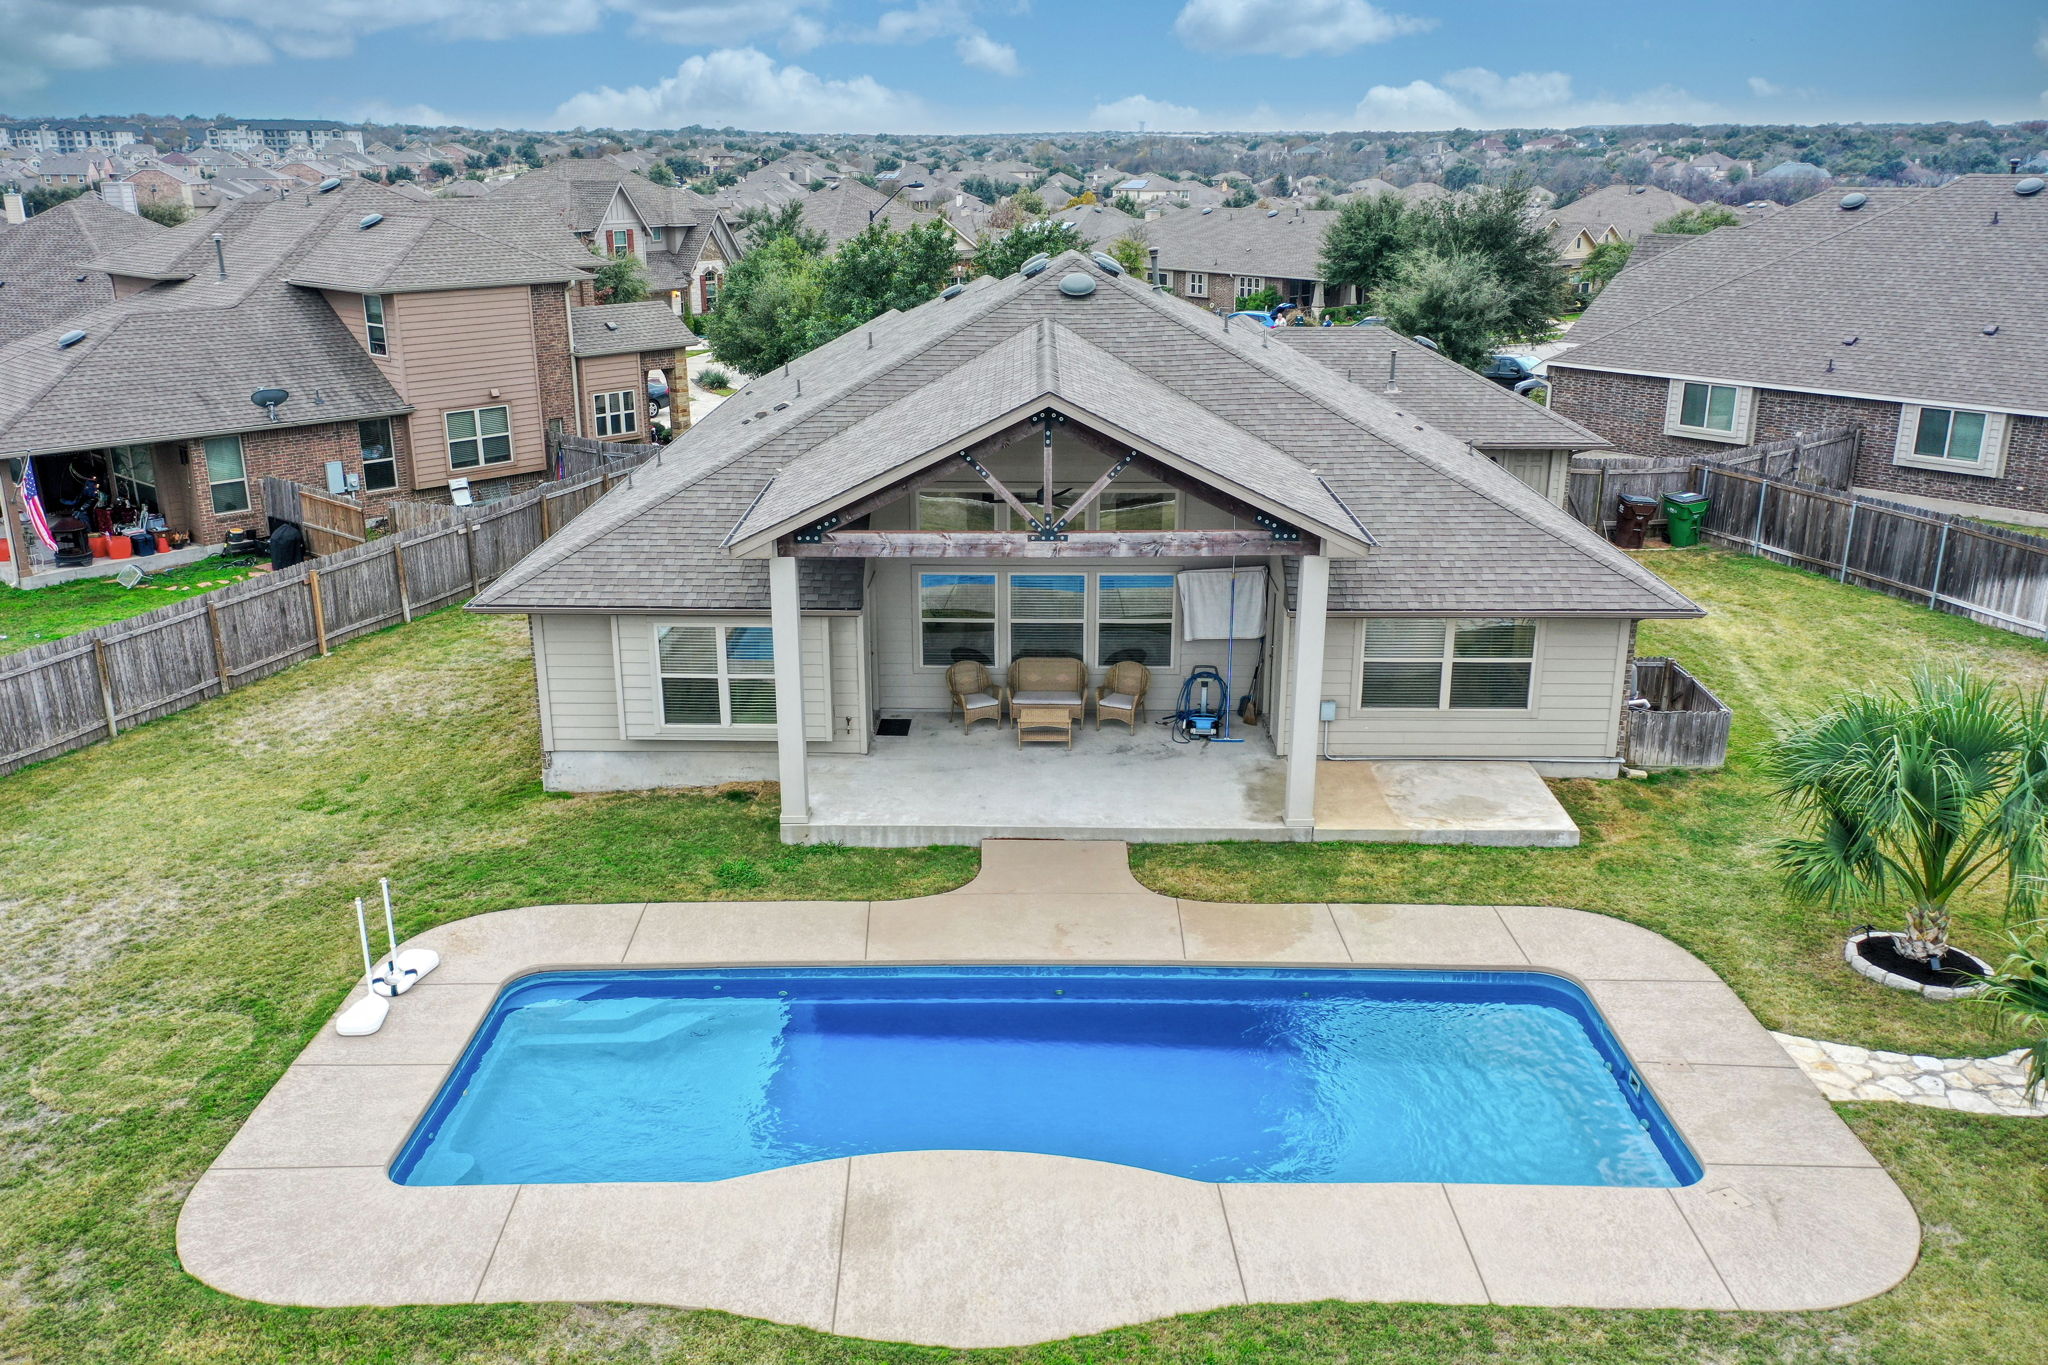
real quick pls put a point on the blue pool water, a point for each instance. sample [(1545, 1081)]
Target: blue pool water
[(1213, 1073)]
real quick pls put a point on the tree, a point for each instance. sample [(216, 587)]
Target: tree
[(620, 279), (1325, 201), (1000, 256), (441, 170), (1124, 203), (1242, 197), (1263, 301), (1919, 796), (1363, 246), (766, 306), (167, 212), (398, 173), (1462, 176), (2020, 994), (660, 174), (529, 153), (43, 198), (1133, 253), (1604, 262), (1695, 221), (760, 225), (880, 268), (1454, 300), (1496, 226)]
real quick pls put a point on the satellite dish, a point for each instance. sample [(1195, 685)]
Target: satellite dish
[(370, 220), (1852, 202), (69, 339), (1107, 262), (329, 185), (268, 400)]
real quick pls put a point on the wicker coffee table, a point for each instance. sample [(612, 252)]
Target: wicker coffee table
[(1043, 725)]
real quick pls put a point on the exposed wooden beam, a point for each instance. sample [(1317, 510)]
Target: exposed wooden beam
[(896, 492), (1093, 492), (1160, 472), (1020, 545)]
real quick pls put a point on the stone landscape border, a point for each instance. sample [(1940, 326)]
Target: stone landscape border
[(967, 1249)]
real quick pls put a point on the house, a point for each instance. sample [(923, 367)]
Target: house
[(844, 212), (42, 279), (615, 346), (1717, 165), (1612, 213), (1908, 314), (821, 548), (1147, 189), (1215, 257), (75, 171), (676, 232), (279, 135), (68, 136), (1523, 437), (415, 344)]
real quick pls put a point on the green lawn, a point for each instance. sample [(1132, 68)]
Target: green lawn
[(34, 616), (234, 833)]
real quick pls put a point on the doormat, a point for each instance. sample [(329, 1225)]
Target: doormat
[(893, 725)]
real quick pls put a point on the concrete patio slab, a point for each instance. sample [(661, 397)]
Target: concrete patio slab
[(492, 949), (1753, 1115), (1399, 1243), (1687, 1021), (765, 1245), (333, 1116), (937, 1244), (988, 1248), (1786, 1239), (1427, 935), (335, 1236), (1595, 947), (1213, 931), (1499, 804), (750, 931), (1616, 1248)]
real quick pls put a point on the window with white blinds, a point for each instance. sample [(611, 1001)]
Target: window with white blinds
[(1134, 619), (716, 675), (993, 618), (1048, 615), (1483, 663)]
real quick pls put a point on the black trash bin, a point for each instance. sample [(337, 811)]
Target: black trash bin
[(1632, 515)]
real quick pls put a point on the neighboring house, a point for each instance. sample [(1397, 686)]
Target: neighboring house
[(1909, 314), (77, 171), (747, 609), (676, 232), (1147, 189), (1523, 437), (844, 212), (614, 346), (1612, 213), (417, 346), (166, 184), (1218, 256), (42, 276)]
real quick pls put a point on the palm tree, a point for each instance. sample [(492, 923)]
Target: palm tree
[(1919, 796), (2020, 993)]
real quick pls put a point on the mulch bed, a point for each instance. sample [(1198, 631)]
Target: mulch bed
[(1958, 968)]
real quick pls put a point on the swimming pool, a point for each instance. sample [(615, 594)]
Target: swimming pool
[(1212, 1073)]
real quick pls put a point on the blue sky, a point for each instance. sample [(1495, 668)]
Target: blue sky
[(1029, 65)]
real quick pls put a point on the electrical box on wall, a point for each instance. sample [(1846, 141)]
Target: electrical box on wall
[(337, 477), (1329, 711)]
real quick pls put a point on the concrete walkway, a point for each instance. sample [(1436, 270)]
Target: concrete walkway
[(979, 1248)]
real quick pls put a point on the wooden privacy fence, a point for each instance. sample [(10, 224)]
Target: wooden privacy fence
[(1597, 482), (1938, 559), (69, 693), (572, 457), (1685, 725), (330, 524)]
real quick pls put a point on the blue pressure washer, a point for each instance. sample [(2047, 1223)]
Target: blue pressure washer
[(1204, 699)]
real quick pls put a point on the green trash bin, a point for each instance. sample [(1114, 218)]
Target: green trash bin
[(1683, 513)]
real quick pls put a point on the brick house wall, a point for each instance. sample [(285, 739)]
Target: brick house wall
[(1628, 410), (551, 357), (298, 453)]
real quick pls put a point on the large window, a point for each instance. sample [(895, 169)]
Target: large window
[(1138, 509), (1134, 619), (958, 510), (1116, 509), (1948, 434), (380, 458), (616, 414), (716, 675), (1048, 615), (1248, 285), (135, 477), (1198, 285), (1711, 412), (479, 436), (226, 474), (957, 618), (1479, 664), (373, 324), (619, 242), (1100, 618)]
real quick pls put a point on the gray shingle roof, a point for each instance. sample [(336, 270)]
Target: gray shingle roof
[(1631, 210), (1454, 532), (1915, 276), (42, 260), (1439, 390), (419, 252), (615, 328), (1242, 241)]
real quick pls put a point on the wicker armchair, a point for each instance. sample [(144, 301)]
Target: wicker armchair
[(1049, 682), (973, 694), (1122, 694)]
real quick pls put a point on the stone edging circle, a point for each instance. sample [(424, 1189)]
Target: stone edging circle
[(1863, 967)]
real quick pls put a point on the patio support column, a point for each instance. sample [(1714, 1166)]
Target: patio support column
[(1311, 612), (785, 617)]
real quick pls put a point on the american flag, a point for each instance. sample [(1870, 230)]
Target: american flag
[(32, 498)]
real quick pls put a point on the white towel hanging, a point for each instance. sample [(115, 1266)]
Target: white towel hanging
[(1205, 603)]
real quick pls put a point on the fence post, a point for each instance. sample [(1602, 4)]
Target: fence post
[(220, 645), (99, 659), (1848, 540), (1756, 534), (319, 610), (404, 588), (1940, 554), (546, 526), (469, 551), (1599, 502)]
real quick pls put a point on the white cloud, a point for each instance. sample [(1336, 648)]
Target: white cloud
[(376, 111), (1290, 28), (1130, 111), (1479, 98), (1764, 89), (977, 49), (743, 87), (929, 19)]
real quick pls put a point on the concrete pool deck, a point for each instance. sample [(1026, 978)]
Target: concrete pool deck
[(976, 1248)]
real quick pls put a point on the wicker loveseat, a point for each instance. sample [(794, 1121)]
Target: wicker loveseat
[(1049, 682)]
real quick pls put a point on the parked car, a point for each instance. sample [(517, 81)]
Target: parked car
[(1517, 372)]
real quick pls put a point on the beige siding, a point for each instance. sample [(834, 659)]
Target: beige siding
[(579, 687), (469, 348), (1575, 713), (349, 308), (638, 689), (1546, 471), (608, 374), (850, 710)]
